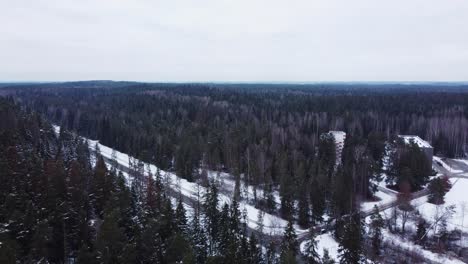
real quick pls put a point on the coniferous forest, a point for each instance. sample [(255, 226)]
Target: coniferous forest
[(61, 202)]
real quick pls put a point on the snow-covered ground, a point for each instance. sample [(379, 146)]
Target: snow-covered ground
[(273, 225), (446, 166), (325, 241), (228, 182), (456, 197), (384, 198), (463, 160), (410, 246)]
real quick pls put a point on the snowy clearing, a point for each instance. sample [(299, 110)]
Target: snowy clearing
[(457, 197), (325, 241)]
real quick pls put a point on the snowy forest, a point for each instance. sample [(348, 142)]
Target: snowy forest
[(66, 199)]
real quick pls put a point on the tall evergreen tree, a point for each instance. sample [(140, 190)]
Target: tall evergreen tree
[(421, 233), (210, 205), (375, 228), (289, 244), (326, 259), (351, 248), (180, 217), (198, 240), (311, 255), (111, 239)]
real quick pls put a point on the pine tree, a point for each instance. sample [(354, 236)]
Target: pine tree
[(150, 247), (376, 225), (350, 248), (442, 235), (270, 204), (289, 244), (311, 255), (179, 250), (86, 255), (255, 252), (111, 239), (260, 225), (38, 247), (180, 217), (166, 221), (286, 188), (225, 236), (210, 206), (8, 252), (438, 187), (243, 252), (421, 233), (199, 240), (326, 259), (317, 198), (303, 207), (235, 218), (303, 197), (101, 185), (270, 257)]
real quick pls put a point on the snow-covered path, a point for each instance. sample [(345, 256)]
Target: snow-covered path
[(273, 225)]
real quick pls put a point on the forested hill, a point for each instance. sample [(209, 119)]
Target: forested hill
[(60, 203), (269, 134)]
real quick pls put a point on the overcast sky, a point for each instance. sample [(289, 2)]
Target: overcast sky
[(219, 40)]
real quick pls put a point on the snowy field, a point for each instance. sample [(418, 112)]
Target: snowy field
[(456, 197)]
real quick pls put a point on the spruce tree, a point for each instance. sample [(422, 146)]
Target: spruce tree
[(101, 185), (111, 239), (210, 205), (376, 225), (421, 233), (225, 235), (351, 249), (270, 257), (289, 244), (255, 252), (326, 259), (198, 240), (317, 199), (180, 217), (311, 255), (438, 187)]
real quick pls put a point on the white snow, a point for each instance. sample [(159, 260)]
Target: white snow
[(385, 198), (463, 160), (445, 165), (410, 246), (456, 197), (56, 129), (228, 183), (325, 241), (419, 141), (339, 136), (273, 225)]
